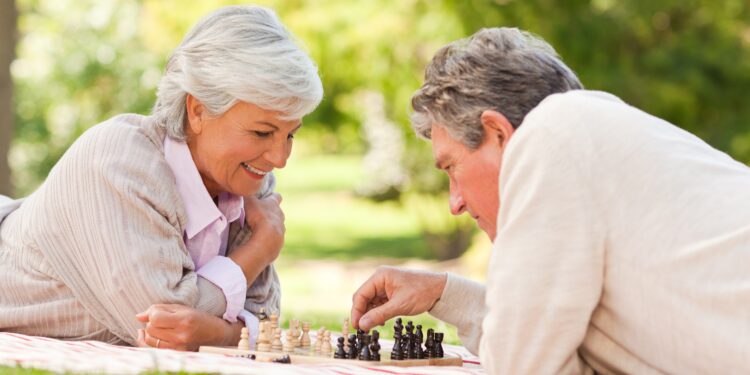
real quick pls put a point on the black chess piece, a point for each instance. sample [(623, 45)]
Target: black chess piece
[(340, 353), (396, 351), (429, 344), (375, 346), (352, 354), (438, 345), (419, 340), (283, 359), (364, 354)]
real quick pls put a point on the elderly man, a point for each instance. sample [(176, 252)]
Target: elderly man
[(621, 243)]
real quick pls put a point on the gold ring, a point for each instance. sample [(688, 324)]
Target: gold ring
[(157, 342)]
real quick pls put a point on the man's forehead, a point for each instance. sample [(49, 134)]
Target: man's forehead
[(441, 142)]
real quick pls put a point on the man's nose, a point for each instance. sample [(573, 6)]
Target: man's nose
[(458, 205)]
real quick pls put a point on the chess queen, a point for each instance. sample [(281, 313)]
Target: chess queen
[(140, 235)]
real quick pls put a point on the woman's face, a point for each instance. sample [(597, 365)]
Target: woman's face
[(235, 150)]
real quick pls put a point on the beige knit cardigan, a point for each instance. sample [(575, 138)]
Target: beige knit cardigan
[(102, 239)]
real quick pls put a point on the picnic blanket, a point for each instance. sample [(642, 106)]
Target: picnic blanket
[(98, 357)]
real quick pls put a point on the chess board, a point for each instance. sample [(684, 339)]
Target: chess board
[(307, 356)]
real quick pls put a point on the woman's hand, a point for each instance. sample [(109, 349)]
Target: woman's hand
[(266, 220), (178, 327)]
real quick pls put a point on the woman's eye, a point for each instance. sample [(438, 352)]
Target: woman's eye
[(262, 134)]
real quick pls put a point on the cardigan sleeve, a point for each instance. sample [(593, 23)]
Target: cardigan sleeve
[(108, 224)]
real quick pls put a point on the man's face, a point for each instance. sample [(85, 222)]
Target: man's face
[(473, 175)]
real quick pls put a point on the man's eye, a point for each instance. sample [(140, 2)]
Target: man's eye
[(260, 134), (290, 136)]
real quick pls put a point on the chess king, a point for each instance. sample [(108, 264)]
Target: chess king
[(620, 241)]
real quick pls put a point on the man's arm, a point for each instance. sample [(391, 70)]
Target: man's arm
[(462, 305)]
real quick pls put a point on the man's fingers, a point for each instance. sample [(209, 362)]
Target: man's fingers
[(365, 296), (378, 316)]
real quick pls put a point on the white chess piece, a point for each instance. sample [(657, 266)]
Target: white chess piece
[(319, 339), (277, 345), (244, 343), (345, 333), (304, 341), (264, 337), (325, 348), (288, 346)]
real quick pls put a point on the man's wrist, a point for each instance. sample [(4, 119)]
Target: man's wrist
[(441, 279)]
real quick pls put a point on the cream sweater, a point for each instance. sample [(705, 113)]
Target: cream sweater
[(623, 246), (102, 239)]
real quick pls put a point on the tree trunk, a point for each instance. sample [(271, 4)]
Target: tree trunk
[(8, 17)]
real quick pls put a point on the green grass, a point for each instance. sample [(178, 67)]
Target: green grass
[(325, 220)]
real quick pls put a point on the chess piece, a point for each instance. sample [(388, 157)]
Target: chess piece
[(244, 343), (262, 316), (439, 345), (340, 352), (345, 333), (318, 340), (396, 351), (277, 345), (418, 339), (264, 338), (305, 339), (429, 344), (364, 353), (325, 348), (352, 351), (288, 346), (375, 346), (274, 318), (283, 359)]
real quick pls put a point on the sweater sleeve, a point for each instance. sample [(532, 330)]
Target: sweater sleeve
[(108, 224), (462, 305), (546, 272)]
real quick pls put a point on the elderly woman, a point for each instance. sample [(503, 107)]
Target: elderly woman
[(148, 219)]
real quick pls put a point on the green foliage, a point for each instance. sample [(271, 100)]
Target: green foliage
[(81, 62)]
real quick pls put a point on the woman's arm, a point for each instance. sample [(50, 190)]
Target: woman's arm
[(180, 327)]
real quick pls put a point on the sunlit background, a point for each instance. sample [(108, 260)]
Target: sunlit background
[(360, 189)]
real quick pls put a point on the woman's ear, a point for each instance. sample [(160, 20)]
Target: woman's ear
[(497, 126), (195, 114)]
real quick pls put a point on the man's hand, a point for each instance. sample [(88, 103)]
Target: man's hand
[(391, 292), (180, 327)]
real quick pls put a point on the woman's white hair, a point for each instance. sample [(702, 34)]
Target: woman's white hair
[(237, 53)]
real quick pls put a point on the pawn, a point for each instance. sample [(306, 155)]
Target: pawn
[(375, 346), (319, 340), (277, 345), (288, 346), (262, 316), (305, 339), (345, 333), (325, 348), (340, 353), (439, 345), (352, 351), (364, 354), (244, 343)]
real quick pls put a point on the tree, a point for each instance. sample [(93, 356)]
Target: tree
[(7, 52)]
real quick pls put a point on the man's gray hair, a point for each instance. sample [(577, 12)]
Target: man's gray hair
[(237, 53), (501, 69)]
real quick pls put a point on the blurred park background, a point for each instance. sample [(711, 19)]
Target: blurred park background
[(360, 189)]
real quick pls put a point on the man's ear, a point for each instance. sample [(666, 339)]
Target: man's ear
[(497, 126), (195, 114)]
